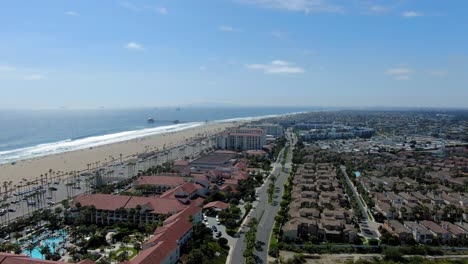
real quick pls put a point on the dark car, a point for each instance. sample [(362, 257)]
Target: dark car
[(258, 259), (218, 234), (214, 228)]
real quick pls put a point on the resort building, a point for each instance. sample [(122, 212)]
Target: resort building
[(157, 184), (109, 209), (240, 139), (165, 245)]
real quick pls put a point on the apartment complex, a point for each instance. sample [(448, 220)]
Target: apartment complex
[(318, 206), (274, 130), (242, 139)]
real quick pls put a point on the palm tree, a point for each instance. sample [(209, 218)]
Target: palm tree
[(30, 248), (45, 251)]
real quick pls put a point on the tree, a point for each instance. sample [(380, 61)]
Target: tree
[(123, 256), (137, 246), (392, 254), (45, 251), (223, 242), (195, 257), (357, 240)]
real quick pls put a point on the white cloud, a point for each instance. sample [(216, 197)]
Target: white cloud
[(71, 13), (34, 77), (7, 68), (162, 10), (401, 73), (410, 14), (134, 46), (439, 73), (379, 8), (307, 6), (276, 67), (228, 29)]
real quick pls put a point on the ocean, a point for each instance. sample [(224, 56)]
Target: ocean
[(27, 134)]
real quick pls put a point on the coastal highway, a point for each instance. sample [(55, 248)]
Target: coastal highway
[(263, 211), (267, 222)]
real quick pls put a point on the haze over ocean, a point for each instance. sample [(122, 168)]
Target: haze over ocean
[(32, 133)]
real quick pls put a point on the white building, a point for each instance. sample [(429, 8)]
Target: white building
[(270, 129), (242, 139)]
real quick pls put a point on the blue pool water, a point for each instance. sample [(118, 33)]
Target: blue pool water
[(50, 242), (357, 174)]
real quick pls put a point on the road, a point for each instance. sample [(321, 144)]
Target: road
[(369, 228), (263, 211)]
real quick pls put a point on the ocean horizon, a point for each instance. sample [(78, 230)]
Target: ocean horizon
[(29, 134)]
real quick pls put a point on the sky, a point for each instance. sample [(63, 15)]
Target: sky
[(137, 53)]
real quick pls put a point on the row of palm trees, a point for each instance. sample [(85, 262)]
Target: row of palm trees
[(71, 179)]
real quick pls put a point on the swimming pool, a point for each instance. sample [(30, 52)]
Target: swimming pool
[(51, 242)]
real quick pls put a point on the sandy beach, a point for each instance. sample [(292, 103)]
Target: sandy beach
[(32, 169)]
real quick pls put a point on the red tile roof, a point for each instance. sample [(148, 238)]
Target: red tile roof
[(157, 204), (166, 238), (217, 204), (433, 227), (161, 180), (256, 152), (190, 210), (113, 202), (181, 163), (102, 201), (183, 190)]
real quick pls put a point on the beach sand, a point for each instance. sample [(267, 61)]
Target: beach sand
[(31, 169)]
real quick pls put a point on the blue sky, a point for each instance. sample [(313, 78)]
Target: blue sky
[(88, 53)]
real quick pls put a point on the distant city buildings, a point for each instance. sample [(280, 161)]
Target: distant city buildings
[(319, 131)]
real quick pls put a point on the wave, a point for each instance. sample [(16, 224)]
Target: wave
[(256, 118), (87, 142), (90, 141)]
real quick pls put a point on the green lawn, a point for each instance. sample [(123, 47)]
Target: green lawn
[(273, 240), (120, 250), (219, 260)]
